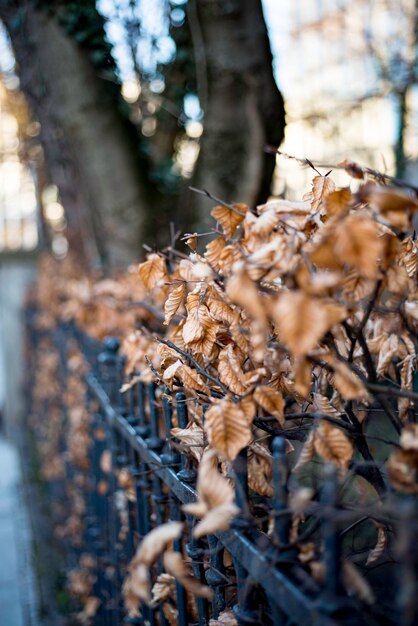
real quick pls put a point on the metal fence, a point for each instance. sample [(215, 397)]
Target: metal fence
[(255, 573)]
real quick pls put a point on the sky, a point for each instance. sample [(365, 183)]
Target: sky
[(152, 16)]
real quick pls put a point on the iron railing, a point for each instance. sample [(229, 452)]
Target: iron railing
[(255, 573)]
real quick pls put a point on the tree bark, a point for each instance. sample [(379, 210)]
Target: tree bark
[(402, 112), (243, 107), (87, 143)]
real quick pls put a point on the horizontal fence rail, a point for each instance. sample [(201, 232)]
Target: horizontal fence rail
[(253, 572)]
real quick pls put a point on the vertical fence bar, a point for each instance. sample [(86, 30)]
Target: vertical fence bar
[(170, 456), (154, 441), (186, 473), (331, 540), (175, 515), (407, 552), (142, 429), (215, 576)]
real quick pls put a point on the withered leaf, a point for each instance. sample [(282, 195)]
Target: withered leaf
[(156, 541), (230, 369), (380, 546), (271, 401), (174, 302), (152, 271), (225, 618), (227, 428), (229, 218), (163, 588), (174, 564), (333, 445), (216, 520), (192, 439), (322, 186), (301, 320), (199, 330), (347, 382)]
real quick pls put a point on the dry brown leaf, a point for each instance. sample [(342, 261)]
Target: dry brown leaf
[(338, 202), (260, 469), (163, 589), (213, 489), (356, 583), (323, 405), (388, 350), (214, 251), (380, 546), (301, 320), (333, 445), (156, 541), (358, 244), (308, 451), (227, 428), (356, 287), (229, 218), (409, 256), (322, 186), (106, 461), (243, 291), (230, 369), (353, 169), (285, 207), (248, 407), (271, 401), (219, 309), (191, 241), (174, 302), (303, 378), (152, 271), (192, 440), (174, 564), (191, 379), (216, 520), (199, 330), (215, 498), (347, 382), (402, 468), (409, 437), (264, 224), (137, 586), (388, 200), (225, 618)]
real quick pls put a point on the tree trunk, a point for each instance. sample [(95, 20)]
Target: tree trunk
[(243, 107), (87, 142), (400, 158)]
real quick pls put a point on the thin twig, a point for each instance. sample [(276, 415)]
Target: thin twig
[(200, 369)]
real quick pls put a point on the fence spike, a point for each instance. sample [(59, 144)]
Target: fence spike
[(187, 474), (154, 441)]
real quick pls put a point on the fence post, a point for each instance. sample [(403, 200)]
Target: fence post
[(406, 550), (110, 372), (331, 539), (186, 473), (154, 441), (170, 456), (142, 429), (282, 520), (107, 361)]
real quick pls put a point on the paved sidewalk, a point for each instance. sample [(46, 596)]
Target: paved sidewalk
[(17, 584)]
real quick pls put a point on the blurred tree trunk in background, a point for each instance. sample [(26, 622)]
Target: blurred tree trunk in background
[(89, 146), (243, 107)]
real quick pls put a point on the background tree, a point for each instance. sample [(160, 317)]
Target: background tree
[(68, 76), (117, 162), (396, 61), (243, 107)]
